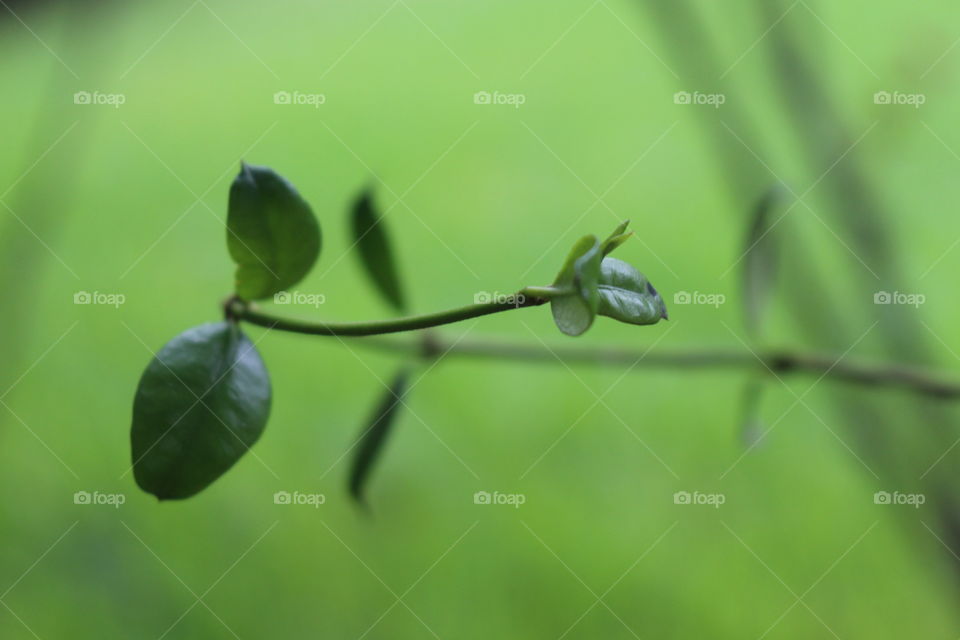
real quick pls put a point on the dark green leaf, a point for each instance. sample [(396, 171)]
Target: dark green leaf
[(376, 253), (759, 262), (372, 439), (202, 402), (626, 294), (573, 313), (271, 233)]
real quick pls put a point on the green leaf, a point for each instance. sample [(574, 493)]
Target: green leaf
[(376, 253), (573, 312), (202, 402), (372, 439), (271, 233), (759, 262), (617, 238), (626, 294)]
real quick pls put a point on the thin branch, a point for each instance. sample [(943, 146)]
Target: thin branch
[(239, 310), (772, 362)]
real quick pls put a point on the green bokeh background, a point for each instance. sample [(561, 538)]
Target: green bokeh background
[(132, 200)]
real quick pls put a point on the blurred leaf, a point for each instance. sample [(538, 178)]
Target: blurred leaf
[(202, 402), (375, 250), (373, 438), (573, 313), (271, 233), (626, 294), (752, 427), (759, 262)]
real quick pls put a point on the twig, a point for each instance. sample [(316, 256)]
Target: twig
[(773, 362)]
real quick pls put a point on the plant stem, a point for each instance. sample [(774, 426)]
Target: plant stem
[(241, 311), (544, 292), (773, 362)]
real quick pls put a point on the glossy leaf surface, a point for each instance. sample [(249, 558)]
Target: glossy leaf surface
[(202, 402)]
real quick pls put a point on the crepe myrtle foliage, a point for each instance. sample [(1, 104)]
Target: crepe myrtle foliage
[(205, 398)]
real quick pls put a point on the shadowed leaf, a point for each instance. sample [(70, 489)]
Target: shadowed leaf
[(202, 402), (271, 233), (760, 261), (371, 441), (375, 250)]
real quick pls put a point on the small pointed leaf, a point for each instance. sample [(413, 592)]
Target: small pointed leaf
[(272, 234), (371, 441), (202, 402), (573, 313), (376, 253), (626, 294), (617, 238)]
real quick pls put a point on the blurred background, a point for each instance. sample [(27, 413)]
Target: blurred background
[(494, 135)]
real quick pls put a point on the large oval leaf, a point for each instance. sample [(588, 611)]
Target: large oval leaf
[(626, 294), (573, 312), (376, 254), (202, 402), (271, 233)]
